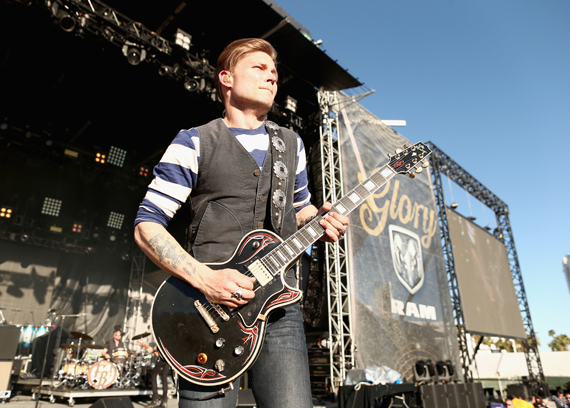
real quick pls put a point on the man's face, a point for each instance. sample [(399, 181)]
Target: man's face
[(117, 335), (509, 403), (253, 83)]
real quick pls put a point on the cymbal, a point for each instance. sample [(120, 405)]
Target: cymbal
[(140, 336), (93, 346), (82, 336), (70, 345)]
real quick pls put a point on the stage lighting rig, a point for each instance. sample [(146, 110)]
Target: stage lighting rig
[(135, 53), (51, 207), (6, 213), (195, 84), (444, 370), (117, 156), (115, 220), (183, 39), (424, 372)]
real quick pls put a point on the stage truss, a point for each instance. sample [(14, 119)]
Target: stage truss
[(340, 342), (441, 163)]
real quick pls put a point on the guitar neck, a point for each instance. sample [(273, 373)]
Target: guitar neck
[(294, 246)]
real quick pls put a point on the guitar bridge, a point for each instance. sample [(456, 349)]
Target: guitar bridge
[(221, 312), (206, 316)]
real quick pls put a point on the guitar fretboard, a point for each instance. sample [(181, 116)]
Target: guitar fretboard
[(294, 246)]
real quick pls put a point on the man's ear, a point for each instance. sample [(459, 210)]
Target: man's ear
[(225, 78)]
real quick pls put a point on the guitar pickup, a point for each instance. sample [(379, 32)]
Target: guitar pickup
[(260, 273), (206, 316)]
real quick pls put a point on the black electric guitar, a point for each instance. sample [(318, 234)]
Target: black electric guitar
[(211, 344)]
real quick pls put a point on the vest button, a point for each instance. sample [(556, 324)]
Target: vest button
[(257, 172), (262, 198), (260, 225)]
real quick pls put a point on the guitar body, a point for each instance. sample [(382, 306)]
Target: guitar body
[(216, 347)]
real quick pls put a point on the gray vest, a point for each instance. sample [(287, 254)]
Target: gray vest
[(233, 196)]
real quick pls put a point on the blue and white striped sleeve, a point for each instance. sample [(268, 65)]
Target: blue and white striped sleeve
[(174, 177), (301, 197)]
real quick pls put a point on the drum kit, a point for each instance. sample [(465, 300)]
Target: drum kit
[(84, 365)]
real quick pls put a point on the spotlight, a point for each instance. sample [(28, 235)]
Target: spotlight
[(471, 218), (77, 227), (183, 39), (143, 171), (4, 124), (424, 371), (291, 104), (112, 237), (165, 70), (134, 53), (115, 220), (66, 21), (100, 158), (454, 205), (443, 370), (6, 213), (194, 84), (51, 207), (117, 156)]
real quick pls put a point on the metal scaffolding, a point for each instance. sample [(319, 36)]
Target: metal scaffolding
[(134, 295), (340, 343), (440, 162)]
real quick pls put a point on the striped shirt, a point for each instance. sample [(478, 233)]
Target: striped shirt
[(178, 171)]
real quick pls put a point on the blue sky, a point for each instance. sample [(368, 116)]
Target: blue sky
[(489, 83)]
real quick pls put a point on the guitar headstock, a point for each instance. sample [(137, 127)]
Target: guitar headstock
[(410, 158)]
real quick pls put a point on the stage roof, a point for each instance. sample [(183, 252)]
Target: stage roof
[(215, 24)]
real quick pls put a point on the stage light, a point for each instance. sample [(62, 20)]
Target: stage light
[(471, 218), (135, 53), (66, 21), (56, 229), (183, 39), (115, 220), (143, 171), (51, 207), (6, 213), (443, 371), (112, 237), (71, 153), (194, 84), (424, 371), (100, 158), (96, 233), (77, 227), (4, 124), (165, 70), (454, 205), (291, 104), (117, 156)]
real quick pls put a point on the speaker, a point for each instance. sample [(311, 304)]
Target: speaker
[(118, 402), (475, 395), (434, 396), (9, 337)]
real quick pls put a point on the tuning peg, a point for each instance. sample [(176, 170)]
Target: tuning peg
[(419, 170), (398, 151), (425, 164), (405, 146), (389, 156), (412, 175)]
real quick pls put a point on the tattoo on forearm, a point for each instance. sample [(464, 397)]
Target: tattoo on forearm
[(166, 250), (189, 269)]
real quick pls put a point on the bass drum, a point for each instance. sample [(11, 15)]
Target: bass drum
[(102, 374)]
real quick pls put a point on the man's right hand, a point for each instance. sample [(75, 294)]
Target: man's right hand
[(219, 286)]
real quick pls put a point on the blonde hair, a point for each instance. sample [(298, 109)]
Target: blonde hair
[(235, 51)]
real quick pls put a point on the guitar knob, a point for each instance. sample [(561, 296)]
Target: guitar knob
[(238, 351), (425, 164), (220, 343), (398, 151), (412, 175), (220, 365), (202, 358), (419, 170)]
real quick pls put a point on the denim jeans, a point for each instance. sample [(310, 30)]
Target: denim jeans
[(280, 375)]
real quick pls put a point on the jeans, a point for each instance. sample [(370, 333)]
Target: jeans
[(161, 368), (280, 375)]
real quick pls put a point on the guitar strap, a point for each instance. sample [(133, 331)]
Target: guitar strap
[(279, 176)]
